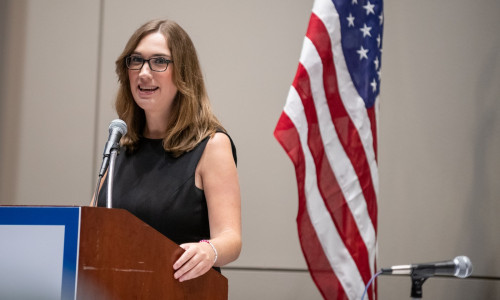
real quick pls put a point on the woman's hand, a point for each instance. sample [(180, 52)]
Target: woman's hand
[(195, 261)]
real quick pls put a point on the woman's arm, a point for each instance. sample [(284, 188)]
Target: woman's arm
[(216, 174)]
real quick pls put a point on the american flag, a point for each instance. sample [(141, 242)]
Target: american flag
[(328, 129)]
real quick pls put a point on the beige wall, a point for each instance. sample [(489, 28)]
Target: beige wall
[(439, 134)]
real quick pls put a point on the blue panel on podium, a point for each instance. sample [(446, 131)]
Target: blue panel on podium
[(39, 252)]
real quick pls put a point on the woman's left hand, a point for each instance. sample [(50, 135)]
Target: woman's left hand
[(195, 261)]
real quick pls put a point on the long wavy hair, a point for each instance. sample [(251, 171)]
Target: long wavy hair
[(191, 118)]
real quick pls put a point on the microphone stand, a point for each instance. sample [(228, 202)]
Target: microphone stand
[(417, 281), (113, 154)]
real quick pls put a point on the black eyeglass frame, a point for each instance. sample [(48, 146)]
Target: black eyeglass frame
[(128, 58)]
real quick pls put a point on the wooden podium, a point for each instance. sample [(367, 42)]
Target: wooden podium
[(108, 254)]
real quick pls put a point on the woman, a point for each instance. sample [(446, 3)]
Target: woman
[(177, 167)]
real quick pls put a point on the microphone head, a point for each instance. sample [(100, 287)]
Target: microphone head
[(119, 125), (463, 266)]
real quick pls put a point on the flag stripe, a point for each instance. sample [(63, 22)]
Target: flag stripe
[(353, 103), (347, 132), (317, 262), (335, 151), (351, 179), (372, 115), (333, 246), (328, 186)]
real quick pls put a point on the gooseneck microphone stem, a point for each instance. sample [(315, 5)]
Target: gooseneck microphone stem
[(96, 193), (109, 199)]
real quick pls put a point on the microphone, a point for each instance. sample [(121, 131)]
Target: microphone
[(117, 129), (460, 266)]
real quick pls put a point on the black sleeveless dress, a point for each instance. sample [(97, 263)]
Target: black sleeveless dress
[(160, 190)]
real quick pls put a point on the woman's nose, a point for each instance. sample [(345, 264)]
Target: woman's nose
[(145, 70)]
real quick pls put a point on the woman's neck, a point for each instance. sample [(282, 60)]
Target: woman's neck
[(156, 127)]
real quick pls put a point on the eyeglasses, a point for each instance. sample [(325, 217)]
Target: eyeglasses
[(157, 63)]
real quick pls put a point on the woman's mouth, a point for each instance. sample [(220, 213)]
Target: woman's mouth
[(148, 88)]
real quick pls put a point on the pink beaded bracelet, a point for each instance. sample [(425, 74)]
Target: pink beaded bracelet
[(213, 247)]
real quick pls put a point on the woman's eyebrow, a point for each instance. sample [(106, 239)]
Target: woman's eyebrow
[(153, 55)]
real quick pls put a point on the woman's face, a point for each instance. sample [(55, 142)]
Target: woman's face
[(153, 91)]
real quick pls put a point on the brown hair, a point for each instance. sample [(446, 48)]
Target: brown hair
[(191, 118)]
